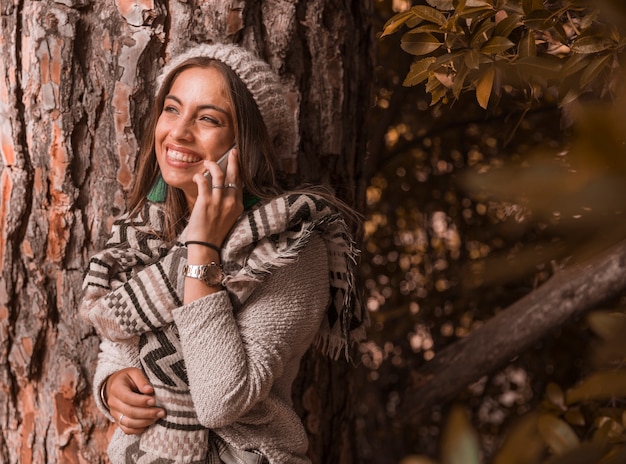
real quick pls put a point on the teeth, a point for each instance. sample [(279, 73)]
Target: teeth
[(178, 156)]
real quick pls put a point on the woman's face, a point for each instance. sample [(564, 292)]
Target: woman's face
[(196, 124)]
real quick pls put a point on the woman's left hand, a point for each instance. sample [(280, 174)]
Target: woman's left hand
[(219, 202)]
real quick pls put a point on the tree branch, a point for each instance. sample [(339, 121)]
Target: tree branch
[(568, 293)]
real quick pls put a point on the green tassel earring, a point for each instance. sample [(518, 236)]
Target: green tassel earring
[(158, 191)]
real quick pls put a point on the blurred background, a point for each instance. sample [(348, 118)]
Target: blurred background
[(495, 168)]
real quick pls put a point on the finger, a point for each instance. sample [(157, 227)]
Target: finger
[(141, 382), (232, 173)]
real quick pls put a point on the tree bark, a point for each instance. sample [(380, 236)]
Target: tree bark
[(567, 294), (76, 78)]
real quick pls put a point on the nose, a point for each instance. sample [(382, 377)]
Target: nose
[(181, 129)]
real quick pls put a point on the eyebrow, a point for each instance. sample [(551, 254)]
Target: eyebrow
[(202, 107)]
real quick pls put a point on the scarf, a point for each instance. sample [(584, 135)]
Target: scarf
[(128, 299)]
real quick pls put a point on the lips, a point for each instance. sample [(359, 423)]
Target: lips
[(175, 155)]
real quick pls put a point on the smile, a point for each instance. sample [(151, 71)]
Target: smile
[(182, 157)]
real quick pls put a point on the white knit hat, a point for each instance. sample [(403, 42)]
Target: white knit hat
[(262, 82)]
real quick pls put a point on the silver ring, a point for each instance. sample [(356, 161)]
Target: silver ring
[(230, 185), (120, 419), (218, 186)]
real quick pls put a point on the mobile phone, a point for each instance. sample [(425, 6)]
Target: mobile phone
[(222, 162)]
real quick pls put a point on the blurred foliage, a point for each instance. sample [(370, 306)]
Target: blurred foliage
[(522, 47), (469, 209)]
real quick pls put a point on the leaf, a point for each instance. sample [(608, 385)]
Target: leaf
[(601, 385), (556, 433), (597, 65), (575, 417), (547, 66), (419, 71), (472, 59), (459, 80), (484, 86), (482, 34), (531, 5), (436, 90), (522, 443), (416, 459), (527, 46), (574, 63), (430, 14), (421, 43), (496, 45), (539, 20), (507, 25), (442, 4), (590, 44), (459, 443), (607, 324), (586, 453), (555, 395), (396, 22)]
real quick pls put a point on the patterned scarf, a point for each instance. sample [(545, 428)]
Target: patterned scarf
[(138, 310)]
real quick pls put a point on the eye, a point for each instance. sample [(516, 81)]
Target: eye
[(209, 120), (169, 109)]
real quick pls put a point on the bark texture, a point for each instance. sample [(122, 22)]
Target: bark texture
[(75, 83)]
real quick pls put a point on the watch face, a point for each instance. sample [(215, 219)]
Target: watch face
[(211, 275)]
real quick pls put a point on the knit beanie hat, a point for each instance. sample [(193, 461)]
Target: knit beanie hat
[(262, 82)]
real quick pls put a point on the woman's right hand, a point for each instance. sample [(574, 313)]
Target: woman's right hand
[(131, 400)]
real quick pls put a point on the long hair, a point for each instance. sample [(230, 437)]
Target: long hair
[(258, 165)]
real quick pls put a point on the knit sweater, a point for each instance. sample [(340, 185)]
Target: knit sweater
[(240, 364)]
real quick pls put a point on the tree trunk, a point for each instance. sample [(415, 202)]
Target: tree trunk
[(75, 86)]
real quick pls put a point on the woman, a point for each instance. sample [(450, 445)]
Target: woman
[(216, 282)]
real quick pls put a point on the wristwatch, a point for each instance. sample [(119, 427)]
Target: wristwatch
[(210, 274)]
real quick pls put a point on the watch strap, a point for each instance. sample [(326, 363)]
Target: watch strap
[(211, 274)]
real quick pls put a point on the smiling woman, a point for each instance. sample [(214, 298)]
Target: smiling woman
[(212, 288), (195, 127)]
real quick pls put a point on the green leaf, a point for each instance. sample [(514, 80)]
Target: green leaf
[(597, 65), (421, 43), (484, 86), (559, 436), (396, 22), (496, 45), (419, 71), (459, 443), (590, 44), (601, 385), (430, 14), (527, 46), (507, 25)]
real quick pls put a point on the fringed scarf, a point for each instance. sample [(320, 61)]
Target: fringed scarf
[(265, 238)]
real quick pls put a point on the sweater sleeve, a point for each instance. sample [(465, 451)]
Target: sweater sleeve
[(233, 359), (112, 358)]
